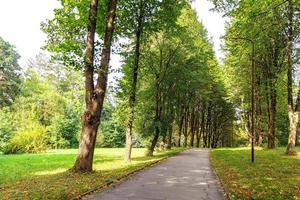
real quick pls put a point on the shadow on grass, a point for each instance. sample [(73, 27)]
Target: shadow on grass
[(103, 159)]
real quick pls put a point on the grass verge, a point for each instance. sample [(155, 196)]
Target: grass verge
[(45, 176), (273, 175)]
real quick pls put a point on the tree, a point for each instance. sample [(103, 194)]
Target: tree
[(274, 55), (293, 107), (135, 26), (149, 16), (94, 18), (10, 79), (180, 63), (94, 96)]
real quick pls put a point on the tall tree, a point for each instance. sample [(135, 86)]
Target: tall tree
[(293, 110), (9, 73), (94, 93), (136, 18), (143, 10)]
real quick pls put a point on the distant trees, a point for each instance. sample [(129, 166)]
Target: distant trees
[(45, 114), (9, 73), (273, 28)]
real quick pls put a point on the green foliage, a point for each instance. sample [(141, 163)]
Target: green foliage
[(72, 18), (29, 139), (111, 135), (9, 73), (183, 71), (47, 112), (253, 24), (112, 131), (7, 127)]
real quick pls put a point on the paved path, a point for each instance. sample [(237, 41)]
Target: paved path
[(187, 176)]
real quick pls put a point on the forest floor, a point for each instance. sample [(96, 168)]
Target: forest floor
[(273, 175), (46, 175), (186, 176)]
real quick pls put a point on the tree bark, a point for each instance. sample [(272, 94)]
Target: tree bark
[(135, 68), (180, 131), (272, 117), (94, 97), (207, 127), (192, 128), (154, 142), (132, 98), (169, 140), (185, 128), (293, 116), (197, 128), (157, 119)]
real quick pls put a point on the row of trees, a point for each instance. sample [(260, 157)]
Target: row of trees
[(265, 33), (185, 94), (171, 80)]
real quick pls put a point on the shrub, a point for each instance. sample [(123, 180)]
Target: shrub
[(64, 131), (111, 135), (7, 127), (29, 140)]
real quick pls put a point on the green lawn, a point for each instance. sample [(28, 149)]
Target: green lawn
[(272, 176), (45, 176)]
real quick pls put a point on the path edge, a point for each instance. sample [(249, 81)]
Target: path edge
[(223, 187)]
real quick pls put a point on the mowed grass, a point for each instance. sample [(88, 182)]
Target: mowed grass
[(273, 175), (46, 175)]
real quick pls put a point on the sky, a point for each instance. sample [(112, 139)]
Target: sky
[(20, 25)]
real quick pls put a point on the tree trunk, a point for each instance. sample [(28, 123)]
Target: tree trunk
[(192, 128), (94, 97), (157, 119), (185, 140), (169, 141), (185, 130), (272, 118), (202, 125), (128, 145), (207, 128), (259, 122), (132, 97), (198, 139), (154, 142), (84, 160), (293, 116), (198, 133), (179, 131)]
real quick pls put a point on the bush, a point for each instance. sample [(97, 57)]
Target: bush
[(111, 135), (29, 140), (7, 127), (64, 131)]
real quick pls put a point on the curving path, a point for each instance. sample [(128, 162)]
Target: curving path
[(187, 176)]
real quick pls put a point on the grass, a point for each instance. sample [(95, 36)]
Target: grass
[(45, 175), (273, 175)]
